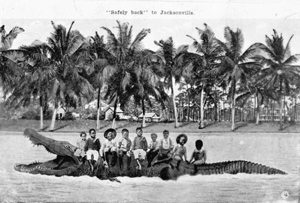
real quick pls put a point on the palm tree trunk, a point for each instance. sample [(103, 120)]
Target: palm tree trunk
[(242, 114), (284, 108), (295, 108), (254, 107), (280, 105), (272, 110), (216, 116), (233, 108), (182, 110), (144, 112), (202, 108), (98, 108), (257, 110), (233, 115), (188, 107), (41, 107), (41, 113), (53, 117), (115, 114), (193, 113), (173, 100), (280, 112)]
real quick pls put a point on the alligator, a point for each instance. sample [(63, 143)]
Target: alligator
[(66, 164)]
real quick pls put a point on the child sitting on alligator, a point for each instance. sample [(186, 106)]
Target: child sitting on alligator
[(124, 146), (198, 156), (79, 152), (109, 147), (139, 147), (166, 146), (152, 151), (92, 148), (179, 151)]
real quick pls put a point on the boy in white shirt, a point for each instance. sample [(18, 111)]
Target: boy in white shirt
[(124, 146), (152, 151), (166, 146)]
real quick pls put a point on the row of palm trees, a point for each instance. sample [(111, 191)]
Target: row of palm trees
[(69, 68)]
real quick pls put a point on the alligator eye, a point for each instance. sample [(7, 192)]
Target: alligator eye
[(285, 194)]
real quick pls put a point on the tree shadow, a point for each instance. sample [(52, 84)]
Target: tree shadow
[(185, 124), (241, 126), (150, 125), (209, 124), (289, 125), (43, 129), (104, 126), (126, 125), (60, 127)]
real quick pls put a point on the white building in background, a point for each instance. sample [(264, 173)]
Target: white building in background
[(110, 111), (150, 117), (60, 113)]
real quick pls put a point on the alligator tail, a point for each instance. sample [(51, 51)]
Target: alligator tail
[(234, 167), (251, 167)]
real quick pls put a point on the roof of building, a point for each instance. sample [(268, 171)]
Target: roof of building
[(149, 115), (112, 108)]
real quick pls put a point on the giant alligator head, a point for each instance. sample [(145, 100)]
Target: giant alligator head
[(64, 164)]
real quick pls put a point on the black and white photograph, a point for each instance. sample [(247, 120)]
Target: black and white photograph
[(150, 101)]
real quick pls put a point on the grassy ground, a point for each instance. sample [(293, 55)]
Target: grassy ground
[(189, 127)]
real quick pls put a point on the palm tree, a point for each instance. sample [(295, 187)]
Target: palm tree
[(97, 58), (66, 49), (123, 52), (7, 39), (255, 90), (39, 73), (235, 69), (278, 70), (8, 58), (175, 62), (147, 82), (209, 56)]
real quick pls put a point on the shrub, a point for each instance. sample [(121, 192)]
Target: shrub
[(93, 116), (29, 115), (68, 116), (46, 115)]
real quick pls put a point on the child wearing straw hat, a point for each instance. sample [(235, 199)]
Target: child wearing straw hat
[(179, 151), (109, 147)]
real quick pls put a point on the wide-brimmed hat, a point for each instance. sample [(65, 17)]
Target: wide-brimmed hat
[(114, 133), (179, 136)]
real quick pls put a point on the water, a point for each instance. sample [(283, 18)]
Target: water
[(281, 151)]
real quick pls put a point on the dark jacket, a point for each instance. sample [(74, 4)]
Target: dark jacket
[(92, 144)]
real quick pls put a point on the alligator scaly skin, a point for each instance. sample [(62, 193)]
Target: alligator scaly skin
[(234, 167)]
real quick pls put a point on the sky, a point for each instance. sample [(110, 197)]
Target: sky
[(255, 18)]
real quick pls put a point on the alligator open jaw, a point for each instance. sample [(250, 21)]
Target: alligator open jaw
[(63, 164)]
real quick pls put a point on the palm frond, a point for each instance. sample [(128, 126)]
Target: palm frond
[(138, 39)]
